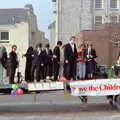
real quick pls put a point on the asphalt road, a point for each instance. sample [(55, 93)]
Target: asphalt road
[(55, 106)]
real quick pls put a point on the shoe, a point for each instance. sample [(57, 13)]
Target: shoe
[(48, 78), (52, 77)]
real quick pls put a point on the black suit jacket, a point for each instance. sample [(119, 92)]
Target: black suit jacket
[(56, 52), (48, 56), (38, 59), (69, 54), (93, 53)]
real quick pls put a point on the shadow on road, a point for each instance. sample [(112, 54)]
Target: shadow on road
[(56, 108)]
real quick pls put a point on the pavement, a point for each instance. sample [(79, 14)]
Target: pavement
[(55, 106)]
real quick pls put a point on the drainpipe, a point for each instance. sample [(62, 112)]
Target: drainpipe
[(57, 21)]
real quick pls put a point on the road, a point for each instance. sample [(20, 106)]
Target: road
[(55, 106)]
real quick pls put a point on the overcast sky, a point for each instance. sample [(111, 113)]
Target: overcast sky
[(42, 8)]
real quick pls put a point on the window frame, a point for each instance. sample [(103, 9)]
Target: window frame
[(113, 18), (4, 40), (117, 5), (95, 20), (102, 6)]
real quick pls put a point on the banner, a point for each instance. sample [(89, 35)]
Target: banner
[(99, 87), (45, 86)]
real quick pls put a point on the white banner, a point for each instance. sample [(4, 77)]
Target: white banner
[(100, 87), (46, 86)]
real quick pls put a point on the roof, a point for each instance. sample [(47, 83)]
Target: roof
[(7, 9), (14, 15), (11, 16)]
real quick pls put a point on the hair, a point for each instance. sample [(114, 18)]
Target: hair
[(72, 37), (39, 45), (59, 42), (30, 49), (14, 46), (47, 45), (91, 45)]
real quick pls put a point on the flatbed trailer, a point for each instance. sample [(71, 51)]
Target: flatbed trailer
[(110, 88)]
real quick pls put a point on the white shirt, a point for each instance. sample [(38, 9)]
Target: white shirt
[(89, 51), (47, 50), (39, 52), (72, 45)]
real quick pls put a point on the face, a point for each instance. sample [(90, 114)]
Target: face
[(14, 49), (72, 41)]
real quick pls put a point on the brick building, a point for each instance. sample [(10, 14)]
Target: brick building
[(104, 39)]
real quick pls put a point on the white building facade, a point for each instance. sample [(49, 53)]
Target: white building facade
[(52, 30), (72, 16)]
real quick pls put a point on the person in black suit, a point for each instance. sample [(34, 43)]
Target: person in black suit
[(3, 57), (38, 63), (48, 62), (70, 57), (91, 63), (12, 64), (29, 58), (56, 60)]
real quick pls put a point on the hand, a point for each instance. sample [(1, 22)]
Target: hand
[(66, 61), (88, 56), (54, 56), (91, 56), (42, 64)]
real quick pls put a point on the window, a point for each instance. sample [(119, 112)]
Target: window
[(113, 3), (98, 3), (4, 35), (113, 19), (53, 0), (98, 20)]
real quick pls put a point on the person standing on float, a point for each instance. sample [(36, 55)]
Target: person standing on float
[(12, 63), (70, 59)]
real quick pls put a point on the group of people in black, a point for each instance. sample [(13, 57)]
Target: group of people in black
[(43, 63), (47, 63)]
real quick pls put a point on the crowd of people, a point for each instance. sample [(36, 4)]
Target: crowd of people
[(64, 61)]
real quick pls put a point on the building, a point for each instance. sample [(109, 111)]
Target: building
[(19, 26), (72, 16), (52, 41), (106, 40), (43, 40)]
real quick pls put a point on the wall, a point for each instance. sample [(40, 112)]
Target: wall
[(101, 39), (73, 16), (19, 35)]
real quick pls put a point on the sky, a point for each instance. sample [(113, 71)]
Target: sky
[(42, 8)]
